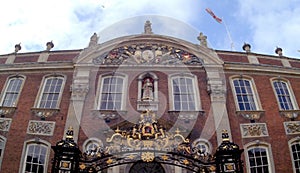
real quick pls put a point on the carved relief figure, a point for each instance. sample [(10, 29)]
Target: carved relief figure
[(147, 90), (138, 55), (158, 55)]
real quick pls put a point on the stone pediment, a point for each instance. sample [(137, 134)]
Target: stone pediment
[(146, 54)]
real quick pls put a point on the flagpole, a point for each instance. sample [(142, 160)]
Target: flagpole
[(229, 36)]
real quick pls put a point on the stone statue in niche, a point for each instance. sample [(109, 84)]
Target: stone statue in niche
[(147, 90)]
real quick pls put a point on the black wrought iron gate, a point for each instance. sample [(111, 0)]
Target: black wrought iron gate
[(148, 143)]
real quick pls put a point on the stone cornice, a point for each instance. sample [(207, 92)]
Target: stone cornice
[(235, 53), (39, 52), (260, 68), (36, 66)]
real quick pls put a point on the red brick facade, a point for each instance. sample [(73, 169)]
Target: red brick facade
[(72, 64)]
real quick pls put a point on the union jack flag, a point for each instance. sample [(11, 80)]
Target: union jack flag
[(213, 15)]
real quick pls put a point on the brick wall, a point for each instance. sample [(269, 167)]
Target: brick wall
[(277, 137), (17, 133)]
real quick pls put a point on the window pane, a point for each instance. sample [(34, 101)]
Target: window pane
[(283, 95), (35, 158), (103, 105), (295, 147), (183, 94), (12, 92), (258, 159), (51, 92), (177, 106), (175, 88), (244, 94), (112, 93), (110, 105)]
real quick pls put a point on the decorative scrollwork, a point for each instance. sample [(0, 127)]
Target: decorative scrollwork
[(44, 112), (41, 127), (252, 115), (5, 110), (254, 130), (292, 127), (149, 142), (146, 53), (5, 124)]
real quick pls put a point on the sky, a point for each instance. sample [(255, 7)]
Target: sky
[(264, 24)]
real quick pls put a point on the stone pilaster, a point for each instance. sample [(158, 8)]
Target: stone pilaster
[(79, 90), (217, 91)]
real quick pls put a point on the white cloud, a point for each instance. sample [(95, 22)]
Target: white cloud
[(70, 23), (161, 25), (273, 24)]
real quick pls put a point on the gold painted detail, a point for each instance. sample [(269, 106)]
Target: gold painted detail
[(147, 156), (131, 156), (290, 114), (229, 167), (185, 161), (44, 112), (110, 161), (66, 165), (147, 141), (146, 134), (82, 166), (6, 111), (254, 130), (164, 157), (212, 168), (252, 115)]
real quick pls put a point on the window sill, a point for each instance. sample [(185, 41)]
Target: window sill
[(6, 111), (147, 104), (194, 111), (44, 112), (252, 115), (290, 114), (108, 115), (186, 116)]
